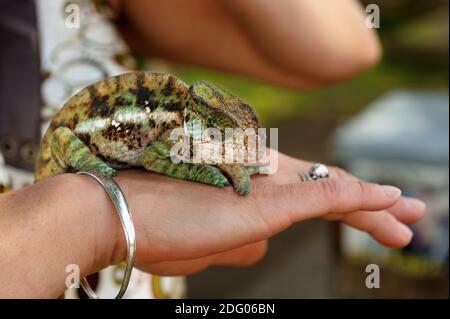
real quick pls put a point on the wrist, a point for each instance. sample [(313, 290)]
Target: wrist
[(67, 219), (103, 227)]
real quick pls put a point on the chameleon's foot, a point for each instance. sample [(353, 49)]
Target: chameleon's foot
[(156, 158), (239, 177), (69, 153), (251, 170), (212, 176), (242, 187), (106, 170), (102, 169)]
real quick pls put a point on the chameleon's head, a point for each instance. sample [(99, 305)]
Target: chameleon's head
[(215, 108)]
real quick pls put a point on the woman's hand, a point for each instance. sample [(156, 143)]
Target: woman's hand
[(183, 227)]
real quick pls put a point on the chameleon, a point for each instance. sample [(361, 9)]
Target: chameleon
[(125, 121)]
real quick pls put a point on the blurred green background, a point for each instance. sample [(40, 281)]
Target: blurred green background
[(302, 261)]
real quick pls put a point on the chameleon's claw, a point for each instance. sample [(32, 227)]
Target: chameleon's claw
[(211, 175), (241, 189), (221, 181), (238, 176), (106, 170), (251, 170), (219, 184)]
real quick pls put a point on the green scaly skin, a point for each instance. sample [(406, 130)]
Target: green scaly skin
[(125, 121)]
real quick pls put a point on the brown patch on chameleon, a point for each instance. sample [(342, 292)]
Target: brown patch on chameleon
[(125, 121)]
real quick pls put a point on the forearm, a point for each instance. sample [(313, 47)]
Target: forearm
[(316, 40), (65, 220), (293, 43)]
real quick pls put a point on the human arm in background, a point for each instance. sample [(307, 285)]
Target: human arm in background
[(294, 43)]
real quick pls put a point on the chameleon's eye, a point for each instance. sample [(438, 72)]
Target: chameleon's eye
[(221, 106), (222, 121)]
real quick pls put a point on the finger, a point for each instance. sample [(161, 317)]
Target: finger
[(316, 199), (382, 226), (242, 256), (408, 210)]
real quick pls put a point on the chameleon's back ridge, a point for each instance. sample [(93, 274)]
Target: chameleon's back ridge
[(125, 121)]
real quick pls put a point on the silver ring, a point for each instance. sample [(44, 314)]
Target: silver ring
[(317, 171), (120, 203)]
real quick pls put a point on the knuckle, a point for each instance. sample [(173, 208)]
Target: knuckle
[(361, 188), (261, 191), (362, 191), (270, 192), (331, 188), (289, 190)]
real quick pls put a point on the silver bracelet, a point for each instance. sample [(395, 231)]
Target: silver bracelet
[(120, 203)]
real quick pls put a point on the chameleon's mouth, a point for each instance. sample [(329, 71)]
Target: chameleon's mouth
[(216, 145), (224, 152)]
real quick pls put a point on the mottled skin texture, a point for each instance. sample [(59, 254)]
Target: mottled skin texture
[(125, 121)]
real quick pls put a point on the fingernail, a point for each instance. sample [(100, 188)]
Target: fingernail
[(407, 233), (416, 204), (391, 191)]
